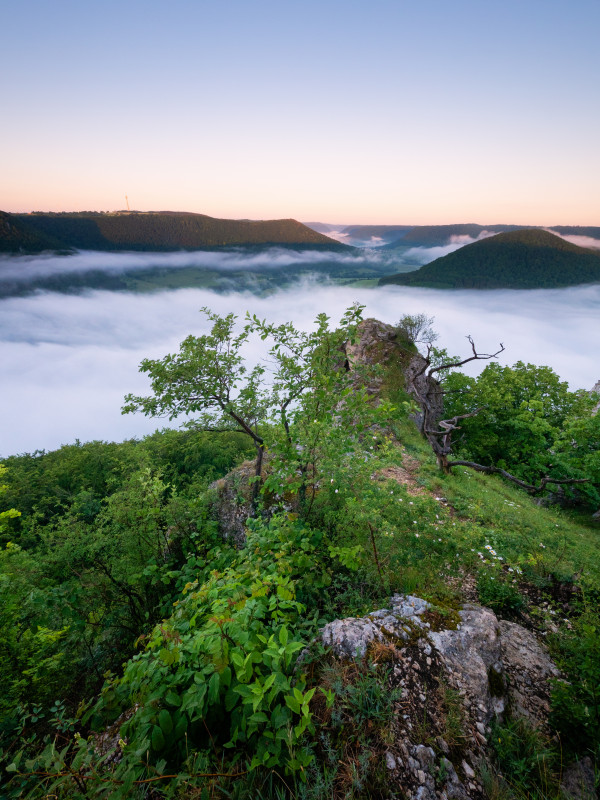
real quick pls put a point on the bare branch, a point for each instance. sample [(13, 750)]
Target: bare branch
[(449, 425), (475, 357), (528, 486)]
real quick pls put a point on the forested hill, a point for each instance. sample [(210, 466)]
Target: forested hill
[(156, 231), (523, 259)]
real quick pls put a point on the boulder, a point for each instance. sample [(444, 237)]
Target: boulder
[(467, 664), (528, 668), (232, 502)]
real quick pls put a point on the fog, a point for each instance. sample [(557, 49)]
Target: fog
[(27, 268), (423, 255), (68, 360)]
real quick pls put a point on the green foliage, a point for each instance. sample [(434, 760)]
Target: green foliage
[(116, 558), (353, 729), (95, 559), (221, 669), (527, 760), (8, 513), (526, 422), (499, 594), (208, 377), (576, 704)]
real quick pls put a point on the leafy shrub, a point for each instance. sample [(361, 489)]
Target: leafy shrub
[(498, 594), (576, 704), (220, 670), (526, 759)]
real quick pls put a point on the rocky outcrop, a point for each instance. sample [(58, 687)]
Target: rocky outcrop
[(465, 665), (596, 390), (528, 669), (378, 356), (232, 502)]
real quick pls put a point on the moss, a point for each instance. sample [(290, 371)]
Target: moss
[(442, 618)]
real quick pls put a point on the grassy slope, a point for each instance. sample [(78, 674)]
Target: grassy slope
[(524, 259), (468, 510)]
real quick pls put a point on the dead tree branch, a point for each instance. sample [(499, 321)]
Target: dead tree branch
[(523, 484)]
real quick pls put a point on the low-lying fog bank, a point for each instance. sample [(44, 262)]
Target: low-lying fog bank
[(68, 360)]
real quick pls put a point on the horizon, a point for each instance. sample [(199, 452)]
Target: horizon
[(428, 113), (336, 225)]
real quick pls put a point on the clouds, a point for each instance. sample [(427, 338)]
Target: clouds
[(424, 255), (26, 268), (68, 361), (580, 241)]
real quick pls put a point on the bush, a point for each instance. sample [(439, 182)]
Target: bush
[(499, 595)]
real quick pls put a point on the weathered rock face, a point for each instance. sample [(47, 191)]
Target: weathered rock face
[(596, 389), (528, 668), (232, 503), (480, 666), (376, 344), (351, 637)]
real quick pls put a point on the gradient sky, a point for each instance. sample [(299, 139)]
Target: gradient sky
[(384, 111)]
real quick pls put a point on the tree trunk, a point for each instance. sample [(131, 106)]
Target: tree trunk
[(260, 451)]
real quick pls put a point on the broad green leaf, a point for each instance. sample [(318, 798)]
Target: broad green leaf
[(158, 740), (165, 721)]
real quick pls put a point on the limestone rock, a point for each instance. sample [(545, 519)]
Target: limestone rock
[(480, 665), (351, 637), (232, 503), (528, 667), (472, 654)]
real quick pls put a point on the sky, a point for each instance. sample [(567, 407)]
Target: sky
[(69, 360), (381, 112)]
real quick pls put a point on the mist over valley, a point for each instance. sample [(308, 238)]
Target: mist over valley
[(69, 359)]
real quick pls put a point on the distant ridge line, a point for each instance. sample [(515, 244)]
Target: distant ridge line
[(147, 231)]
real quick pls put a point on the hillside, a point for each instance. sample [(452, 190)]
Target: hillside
[(339, 612), (154, 231), (16, 236), (522, 259), (366, 233)]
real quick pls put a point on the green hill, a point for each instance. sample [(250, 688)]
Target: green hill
[(16, 236), (156, 231), (522, 259)]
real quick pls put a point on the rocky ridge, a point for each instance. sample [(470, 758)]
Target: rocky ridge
[(471, 669)]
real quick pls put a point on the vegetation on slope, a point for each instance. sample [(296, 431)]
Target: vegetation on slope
[(524, 259), (156, 231), (16, 236), (117, 552)]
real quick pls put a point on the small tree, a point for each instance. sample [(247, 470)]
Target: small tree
[(208, 377), (418, 328), (322, 406), (300, 399)]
